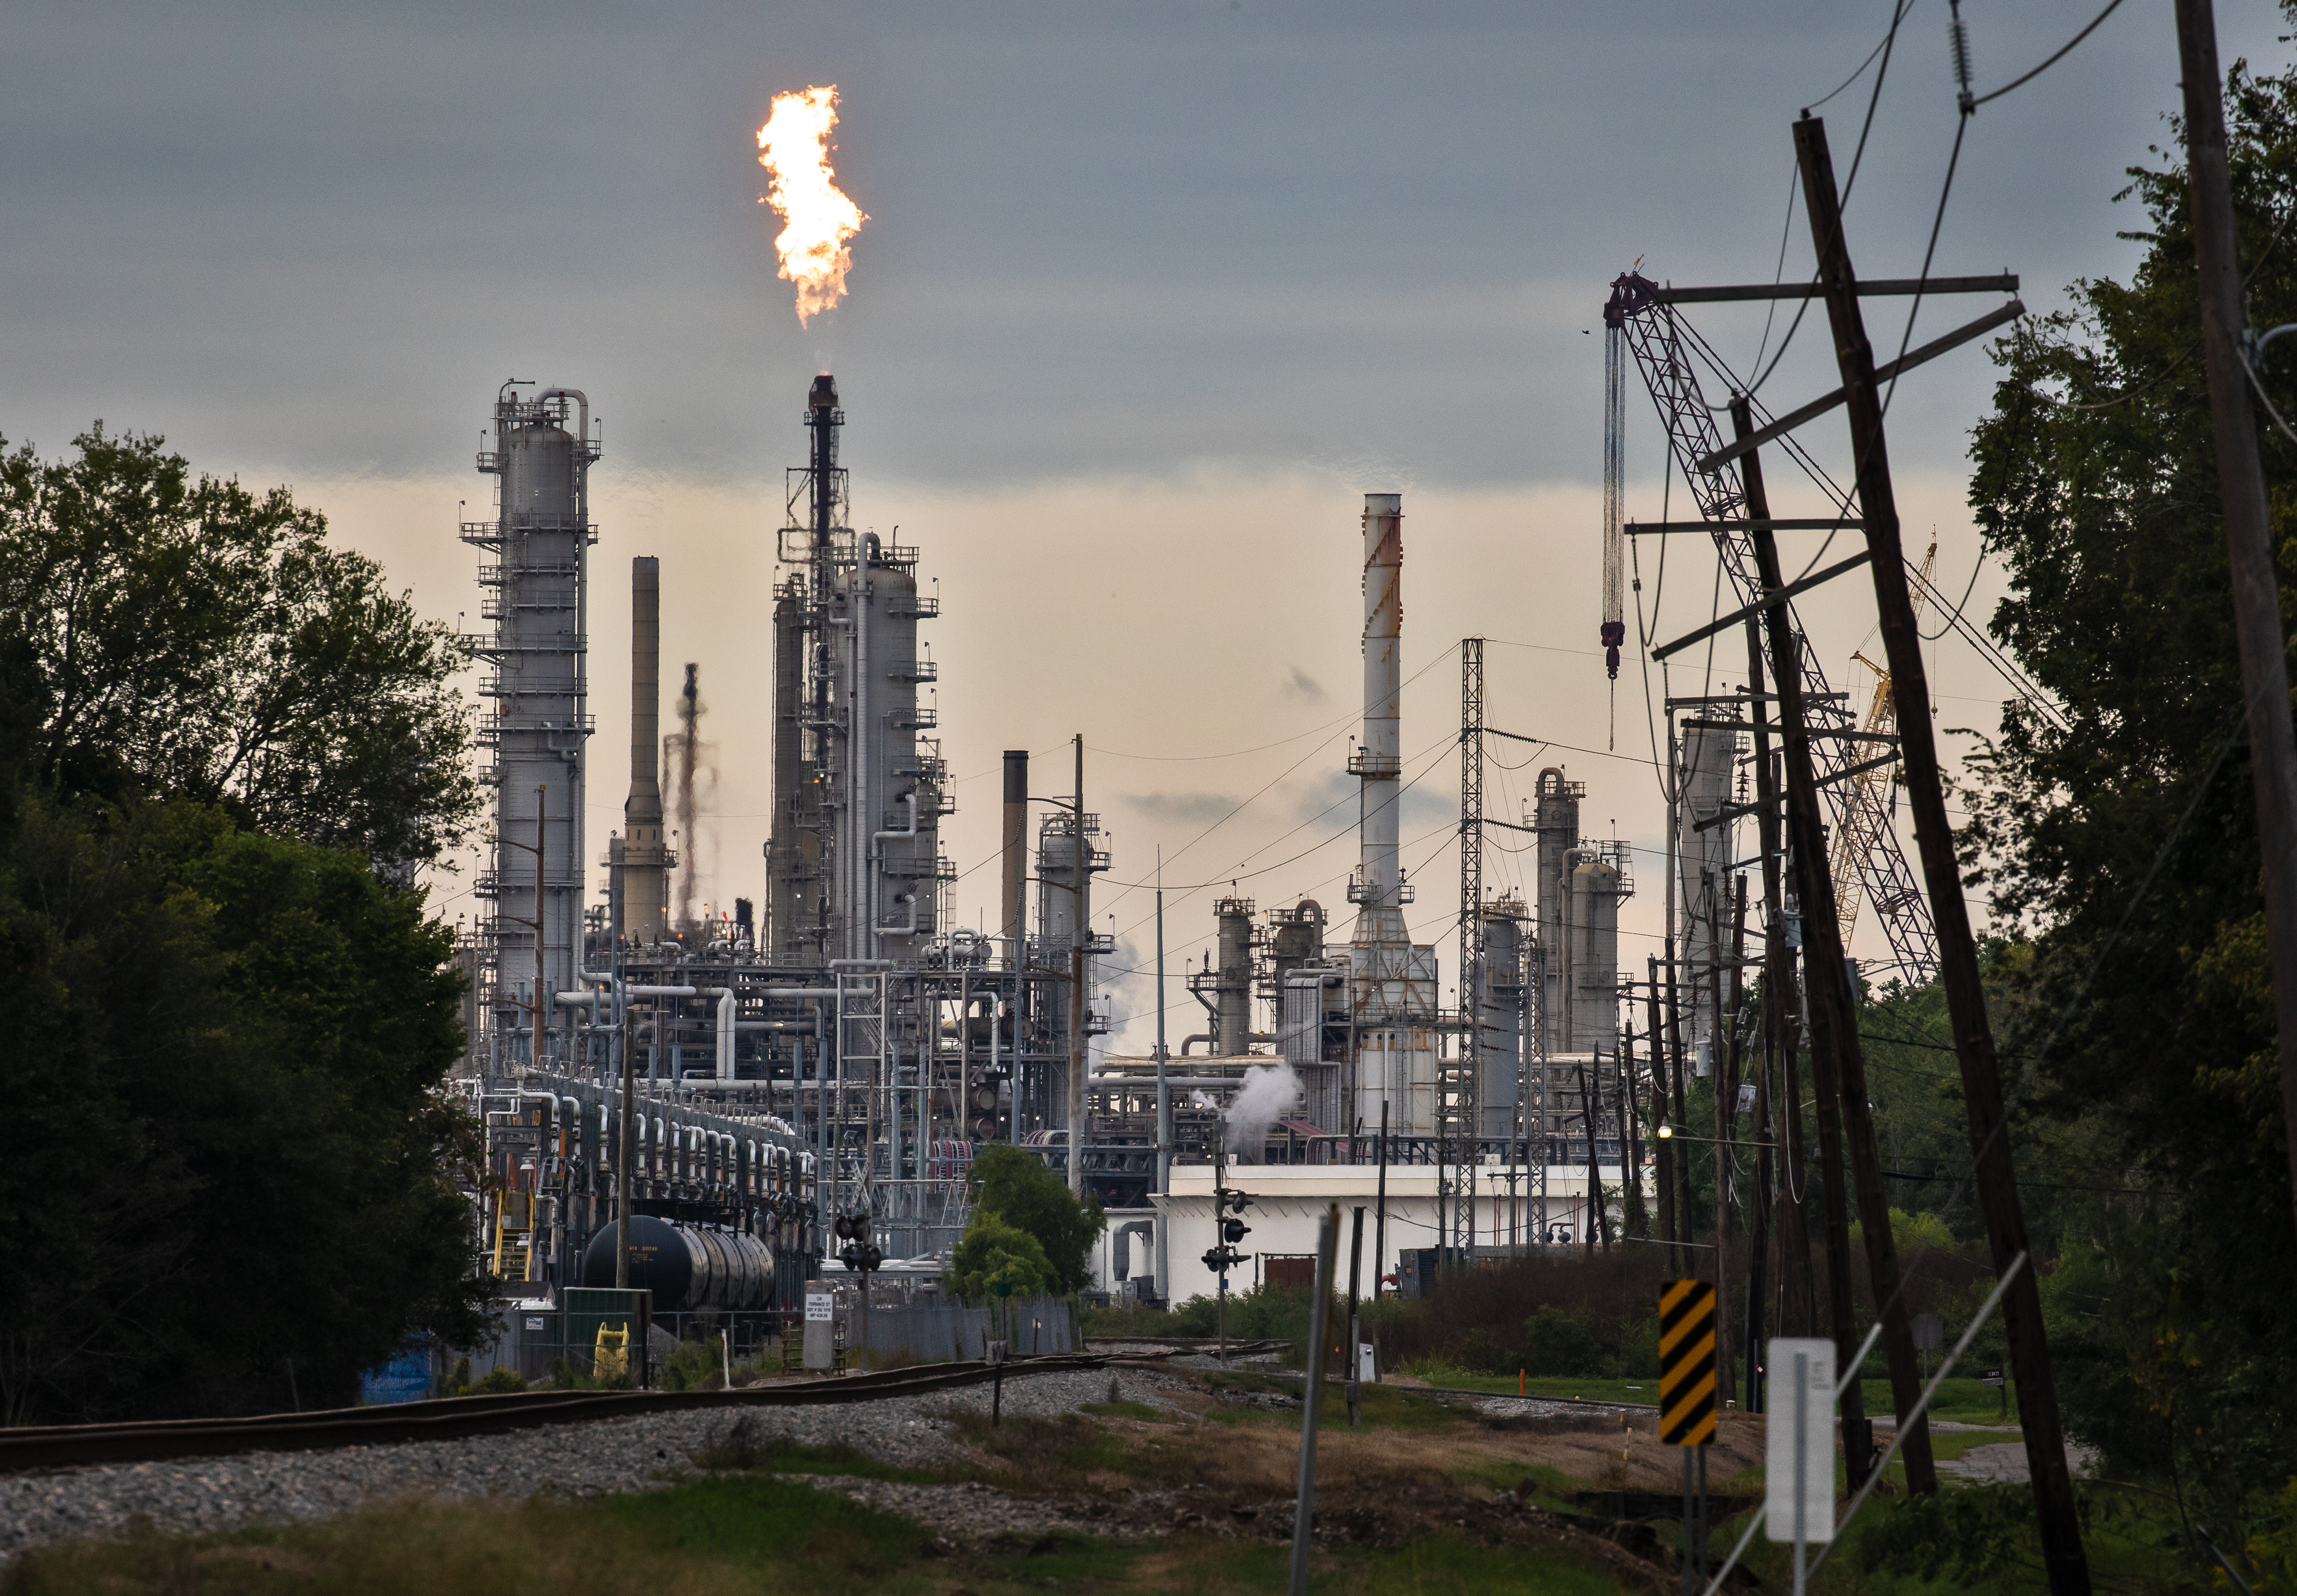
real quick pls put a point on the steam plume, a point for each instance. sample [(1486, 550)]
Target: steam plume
[(683, 752), (1266, 1096)]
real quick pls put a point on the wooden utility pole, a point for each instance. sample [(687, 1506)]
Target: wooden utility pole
[(1718, 1081), (1631, 1144), (1825, 977), (1778, 1003), (1670, 1201), (1683, 1207), (1966, 993), (1590, 1110), (2248, 525)]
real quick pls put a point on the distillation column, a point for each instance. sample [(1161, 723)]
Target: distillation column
[(539, 541)]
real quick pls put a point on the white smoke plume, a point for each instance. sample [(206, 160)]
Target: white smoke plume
[(1266, 1096)]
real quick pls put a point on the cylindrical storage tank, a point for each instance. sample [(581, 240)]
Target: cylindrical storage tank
[(1594, 955), (687, 1267), (754, 1270)]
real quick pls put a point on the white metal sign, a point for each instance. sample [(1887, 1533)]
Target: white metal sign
[(821, 1307), (1799, 1443)]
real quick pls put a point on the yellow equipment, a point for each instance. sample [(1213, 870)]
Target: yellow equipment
[(1866, 807), (610, 1360)]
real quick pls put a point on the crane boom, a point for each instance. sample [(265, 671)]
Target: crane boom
[(1658, 340)]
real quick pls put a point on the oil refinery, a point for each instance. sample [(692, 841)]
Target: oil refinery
[(837, 1048)]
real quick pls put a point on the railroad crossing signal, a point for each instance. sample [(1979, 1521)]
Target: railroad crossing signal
[(1687, 1362)]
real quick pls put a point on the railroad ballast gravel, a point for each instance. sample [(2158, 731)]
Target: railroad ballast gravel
[(208, 1495)]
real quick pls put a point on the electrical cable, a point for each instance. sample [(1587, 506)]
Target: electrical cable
[(1889, 46), (1977, 565), (2062, 51)]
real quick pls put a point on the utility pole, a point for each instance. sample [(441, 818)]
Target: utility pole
[(1673, 1200), (1164, 1103), (1631, 1147), (2248, 525), (1823, 970), (1779, 1037), (1083, 934), (1719, 1085), (1982, 1079)]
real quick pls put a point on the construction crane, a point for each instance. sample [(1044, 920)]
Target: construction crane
[(1866, 810), (1663, 346)]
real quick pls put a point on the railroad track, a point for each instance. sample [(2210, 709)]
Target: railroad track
[(443, 1418)]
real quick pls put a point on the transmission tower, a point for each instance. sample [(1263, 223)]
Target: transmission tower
[(1458, 1122)]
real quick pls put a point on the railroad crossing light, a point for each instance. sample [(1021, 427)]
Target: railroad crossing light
[(1233, 1230)]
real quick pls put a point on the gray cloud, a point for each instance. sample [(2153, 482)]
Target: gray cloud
[(1104, 240), (1199, 808)]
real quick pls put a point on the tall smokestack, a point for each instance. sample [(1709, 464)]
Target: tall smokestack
[(1379, 886), (1016, 849), (646, 886)]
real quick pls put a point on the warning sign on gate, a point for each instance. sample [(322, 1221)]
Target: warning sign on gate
[(1687, 1362)]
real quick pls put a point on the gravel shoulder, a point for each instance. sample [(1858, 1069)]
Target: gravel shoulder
[(211, 1494)]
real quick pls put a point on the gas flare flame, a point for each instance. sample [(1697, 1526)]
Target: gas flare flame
[(795, 148)]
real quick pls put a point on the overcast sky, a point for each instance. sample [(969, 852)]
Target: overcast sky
[(1150, 294)]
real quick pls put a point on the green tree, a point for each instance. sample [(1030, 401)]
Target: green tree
[(232, 1171), (1014, 1184), (2094, 485), (995, 1253), (188, 637)]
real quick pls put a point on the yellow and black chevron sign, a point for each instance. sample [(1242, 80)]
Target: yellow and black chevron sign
[(1687, 1362)]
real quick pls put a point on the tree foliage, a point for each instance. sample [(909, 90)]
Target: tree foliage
[(230, 1179), (182, 637), (994, 1254), (233, 1178), (1014, 1185), (2094, 486)]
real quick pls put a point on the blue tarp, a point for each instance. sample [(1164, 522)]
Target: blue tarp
[(405, 1379)]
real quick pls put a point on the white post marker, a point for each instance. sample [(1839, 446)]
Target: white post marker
[(820, 1324), (1799, 1447)]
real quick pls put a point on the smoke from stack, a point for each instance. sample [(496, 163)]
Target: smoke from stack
[(688, 758)]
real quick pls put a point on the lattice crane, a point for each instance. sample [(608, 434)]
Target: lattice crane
[(1866, 810), (1661, 345)]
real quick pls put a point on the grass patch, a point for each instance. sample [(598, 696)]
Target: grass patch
[(1561, 1389), (740, 1450), (742, 1533), (718, 1535), (1070, 1453), (1125, 1409)]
